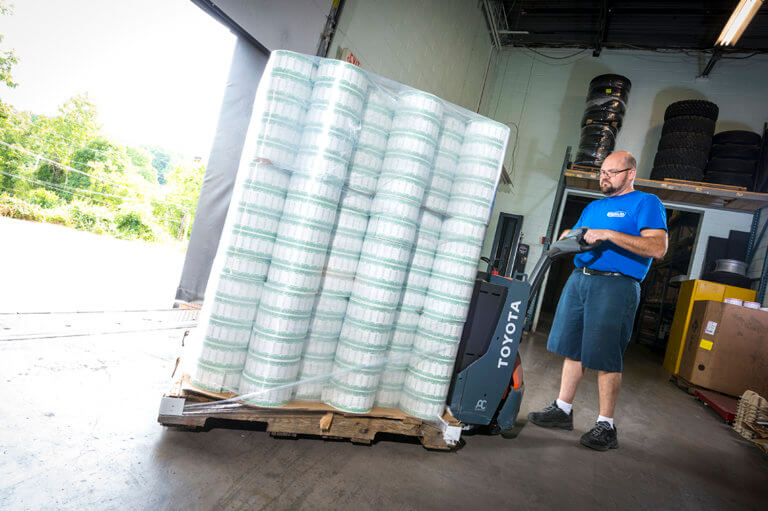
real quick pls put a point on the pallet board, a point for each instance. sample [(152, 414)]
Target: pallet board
[(686, 192), (684, 384), (301, 418)]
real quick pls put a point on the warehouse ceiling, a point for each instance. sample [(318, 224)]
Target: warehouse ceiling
[(634, 24)]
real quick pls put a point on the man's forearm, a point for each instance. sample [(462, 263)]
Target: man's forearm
[(645, 246)]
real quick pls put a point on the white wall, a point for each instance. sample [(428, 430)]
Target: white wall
[(439, 46), (545, 98)]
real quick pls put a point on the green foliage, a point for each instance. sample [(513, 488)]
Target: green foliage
[(44, 198), (139, 157), (51, 173), (90, 217), (142, 161), (161, 161), (14, 207), (183, 191), (7, 57), (61, 169), (135, 221)]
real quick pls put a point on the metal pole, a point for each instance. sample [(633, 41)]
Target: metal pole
[(550, 230), (764, 275)]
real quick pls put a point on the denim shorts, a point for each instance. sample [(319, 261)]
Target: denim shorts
[(594, 319)]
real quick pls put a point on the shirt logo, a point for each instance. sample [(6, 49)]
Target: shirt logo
[(616, 214)]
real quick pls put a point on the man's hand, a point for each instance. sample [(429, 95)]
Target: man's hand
[(650, 243), (595, 235)]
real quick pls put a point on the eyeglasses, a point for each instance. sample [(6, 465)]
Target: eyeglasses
[(612, 173)]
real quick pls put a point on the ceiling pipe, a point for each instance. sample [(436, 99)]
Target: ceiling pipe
[(716, 54), (602, 35)]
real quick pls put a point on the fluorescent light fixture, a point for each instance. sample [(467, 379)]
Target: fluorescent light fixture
[(737, 23)]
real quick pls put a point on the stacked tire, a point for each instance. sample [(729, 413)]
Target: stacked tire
[(733, 159), (686, 139), (603, 117)]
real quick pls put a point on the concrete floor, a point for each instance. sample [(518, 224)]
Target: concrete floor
[(79, 431)]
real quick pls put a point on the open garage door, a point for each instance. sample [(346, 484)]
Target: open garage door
[(261, 26)]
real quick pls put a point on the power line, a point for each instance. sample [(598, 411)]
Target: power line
[(61, 188), (77, 147), (62, 165), (69, 189), (72, 169), (51, 185)]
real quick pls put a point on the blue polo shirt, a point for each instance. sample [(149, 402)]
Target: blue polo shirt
[(629, 213)]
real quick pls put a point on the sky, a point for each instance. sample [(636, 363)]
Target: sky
[(156, 69)]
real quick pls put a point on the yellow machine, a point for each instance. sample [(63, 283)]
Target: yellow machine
[(691, 291)]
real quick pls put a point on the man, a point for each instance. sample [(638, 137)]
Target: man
[(596, 311)]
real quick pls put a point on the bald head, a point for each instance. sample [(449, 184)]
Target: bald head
[(622, 159)]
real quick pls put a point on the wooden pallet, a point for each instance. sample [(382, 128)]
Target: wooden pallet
[(685, 384), (585, 168), (715, 186), (301, 418)]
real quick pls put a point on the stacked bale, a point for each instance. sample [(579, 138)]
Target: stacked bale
[(346, 246), (733, 158), (385, 256), (686, 138), (449, 290), (304, 234), (241, 267), (603, 117), (436, 202)]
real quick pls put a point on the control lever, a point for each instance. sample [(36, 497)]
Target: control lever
[(572, 243)]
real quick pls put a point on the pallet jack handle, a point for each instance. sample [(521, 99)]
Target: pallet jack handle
[(572, 243)]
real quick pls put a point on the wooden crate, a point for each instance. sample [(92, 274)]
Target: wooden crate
[(302, 418)]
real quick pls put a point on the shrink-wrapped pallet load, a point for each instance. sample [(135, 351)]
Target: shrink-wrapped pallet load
[(349, 254)]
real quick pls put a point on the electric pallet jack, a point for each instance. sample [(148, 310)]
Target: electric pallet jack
[(487, 385)]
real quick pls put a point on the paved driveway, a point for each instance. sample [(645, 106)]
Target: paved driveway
[(47, 268)]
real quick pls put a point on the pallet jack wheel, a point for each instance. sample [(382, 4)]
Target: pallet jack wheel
[(516, 383)]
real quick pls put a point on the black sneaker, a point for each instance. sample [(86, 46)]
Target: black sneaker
[(552, 417), (601, 437)]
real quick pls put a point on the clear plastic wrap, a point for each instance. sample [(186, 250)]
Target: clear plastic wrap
[(349, 254)]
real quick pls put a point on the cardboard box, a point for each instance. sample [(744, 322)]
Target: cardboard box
[(690, 292), (727, 348)]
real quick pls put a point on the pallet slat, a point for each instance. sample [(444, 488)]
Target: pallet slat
[(303, 418)]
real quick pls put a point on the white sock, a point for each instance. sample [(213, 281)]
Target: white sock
[(566, 407), (609, 420)]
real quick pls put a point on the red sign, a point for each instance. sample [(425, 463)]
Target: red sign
[(348, 56)]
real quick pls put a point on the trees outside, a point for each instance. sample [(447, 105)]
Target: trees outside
[(64, 169)]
